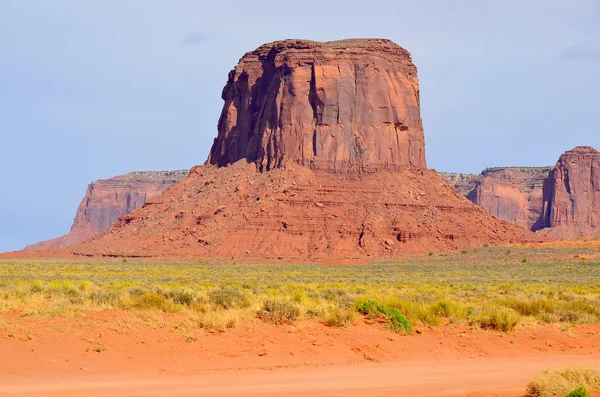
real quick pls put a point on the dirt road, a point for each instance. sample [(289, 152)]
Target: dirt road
[(473, 377), (116, 353)]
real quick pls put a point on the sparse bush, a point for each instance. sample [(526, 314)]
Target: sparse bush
[(338, 296), (449, 309), (181, 297), (549, 318), (340, 318), (316, 312), (104, 298), (551, 383), (299, 297), (219, 320), (150, 301), (497, 317), (529, 307), (278, 311), (228, 297), (397, 321), (415, 311), (579, 312)]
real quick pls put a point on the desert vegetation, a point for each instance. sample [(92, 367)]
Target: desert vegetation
[(569, 382), (491, 288)]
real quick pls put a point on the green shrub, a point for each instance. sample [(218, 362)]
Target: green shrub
[(397, 321), (497, 317), (228, 297), (415, 311), (278, 311), (579, 392)]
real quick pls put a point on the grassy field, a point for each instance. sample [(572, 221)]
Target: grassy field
[(494, 288)]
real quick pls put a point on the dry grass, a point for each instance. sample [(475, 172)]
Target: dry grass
[(552, 383), (497, 317), (487, 286)]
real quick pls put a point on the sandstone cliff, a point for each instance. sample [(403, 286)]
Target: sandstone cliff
[(513, 194), (107, 200), (319, 155), (571, 196), (336, 106)]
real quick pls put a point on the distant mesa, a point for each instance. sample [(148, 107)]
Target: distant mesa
[(571, 196), (560, 202), (107, 200), (319, 155), (513, 194)]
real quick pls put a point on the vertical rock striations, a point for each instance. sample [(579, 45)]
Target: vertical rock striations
[(571, 199), (107, 200), (319, 155), (349, 105), (513, 194)]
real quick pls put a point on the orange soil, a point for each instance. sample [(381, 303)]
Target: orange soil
[(59, 358)]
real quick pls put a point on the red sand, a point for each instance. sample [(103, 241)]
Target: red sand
[(262, 359)]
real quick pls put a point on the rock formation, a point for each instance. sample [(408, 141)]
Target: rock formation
[(107, 200), (513, 194), (350, 105), (462, 183), (571, 196), (319, 155)]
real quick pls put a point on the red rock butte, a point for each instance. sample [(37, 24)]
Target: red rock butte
[(571, 199), (319, 156), (348, 105)]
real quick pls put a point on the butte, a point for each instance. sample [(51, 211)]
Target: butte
[(320, 154)]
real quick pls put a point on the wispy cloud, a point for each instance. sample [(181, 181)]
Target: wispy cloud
[(193, 38), (588, 50)]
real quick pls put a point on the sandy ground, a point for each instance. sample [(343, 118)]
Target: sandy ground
[(121, 354)]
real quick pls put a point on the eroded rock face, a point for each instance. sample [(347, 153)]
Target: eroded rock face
[(342, 106), (319, 156), (296, 213), (571, 198), (513, 194), (107, 200)]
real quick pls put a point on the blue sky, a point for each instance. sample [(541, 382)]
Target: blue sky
[(93, 89)]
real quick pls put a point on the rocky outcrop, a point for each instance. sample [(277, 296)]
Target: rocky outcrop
[(319, 156), (350, 105), (107, 200), (513, 194), (296, 213), (571, 196)]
